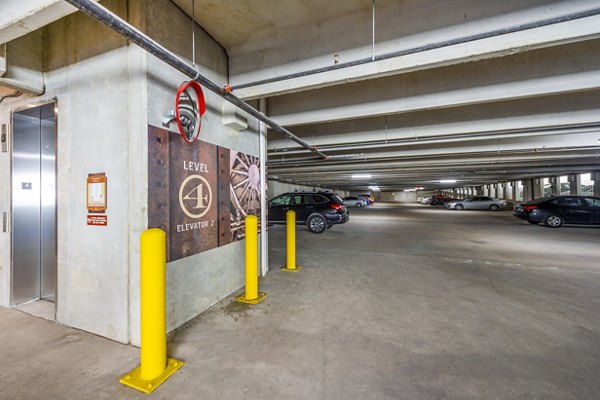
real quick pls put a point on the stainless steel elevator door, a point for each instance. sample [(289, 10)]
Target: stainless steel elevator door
[(34, 204)]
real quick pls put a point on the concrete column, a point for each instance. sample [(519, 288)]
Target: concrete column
[(538, 188), (264, 238), (596, 179), (575, 184), (507, 195), (528, 189), (554, 185), (515, 189), (497, 190), (480, 191)]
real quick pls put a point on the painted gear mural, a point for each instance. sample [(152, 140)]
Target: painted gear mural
[(244, 190)]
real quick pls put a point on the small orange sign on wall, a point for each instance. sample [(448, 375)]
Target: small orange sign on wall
[(96, 192)]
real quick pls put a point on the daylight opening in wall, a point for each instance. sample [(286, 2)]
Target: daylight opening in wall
[(587, 185), (547, 187)]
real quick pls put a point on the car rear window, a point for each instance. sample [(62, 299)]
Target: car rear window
[(567, 201), (337, 199), (281, 200), (540, 200), (315, 199)]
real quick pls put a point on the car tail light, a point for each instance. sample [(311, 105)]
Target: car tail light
[(529, 208), (337, 207)]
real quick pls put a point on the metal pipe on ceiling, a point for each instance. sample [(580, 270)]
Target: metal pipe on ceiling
[(127, 30)]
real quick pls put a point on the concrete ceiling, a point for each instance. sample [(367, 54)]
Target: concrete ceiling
[(236, 22), (409, 92), (443, 90)]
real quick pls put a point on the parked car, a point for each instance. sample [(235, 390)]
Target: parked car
[(318, 210), (522, 210), (556, 211), (439, 199), (358, 202), (425, 200), (369, 198), (478, 203)]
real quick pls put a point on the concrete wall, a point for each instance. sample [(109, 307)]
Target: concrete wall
[(197, 282), (397, 197), (87, 72), (108, 92)]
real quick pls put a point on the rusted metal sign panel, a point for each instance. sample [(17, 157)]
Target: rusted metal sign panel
[(199, 193)]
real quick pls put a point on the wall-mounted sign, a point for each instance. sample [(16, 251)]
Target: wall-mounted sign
[(96, 192), (97, 220), (199, 194)]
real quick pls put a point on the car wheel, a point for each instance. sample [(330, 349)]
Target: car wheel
[(359, 205), (316, 223), (459, 207), (554, 221), (494, 207)]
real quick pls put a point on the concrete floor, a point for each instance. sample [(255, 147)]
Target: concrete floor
[(403, 302)]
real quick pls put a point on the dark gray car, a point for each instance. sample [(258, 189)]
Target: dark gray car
[(318, 210)]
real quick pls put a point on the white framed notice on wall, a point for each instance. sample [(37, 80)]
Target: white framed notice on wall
[(96, 192)]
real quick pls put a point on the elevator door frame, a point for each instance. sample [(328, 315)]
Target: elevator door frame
[(12, 205)]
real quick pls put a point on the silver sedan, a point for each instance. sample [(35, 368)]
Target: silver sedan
[(357, 202), (478, 203)]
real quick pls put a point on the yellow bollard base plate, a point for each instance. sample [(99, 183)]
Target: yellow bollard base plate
[(133, 379), (285, 268), (243, 299)]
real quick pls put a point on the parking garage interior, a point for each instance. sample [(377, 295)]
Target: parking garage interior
[(397, 99)]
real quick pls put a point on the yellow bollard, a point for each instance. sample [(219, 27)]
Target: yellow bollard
[(251, 295), (290, 234), (154, 367)]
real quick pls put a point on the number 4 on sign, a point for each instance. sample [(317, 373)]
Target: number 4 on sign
[(200, 198)]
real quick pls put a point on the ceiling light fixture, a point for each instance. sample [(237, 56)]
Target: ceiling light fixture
[(361, 176), (448, 181)]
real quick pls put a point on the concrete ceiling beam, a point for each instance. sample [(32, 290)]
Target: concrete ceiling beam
[(497, 46), (590, 138), (450, 161), (534, 87), (429, 177), (444, 140), (20, 17)]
